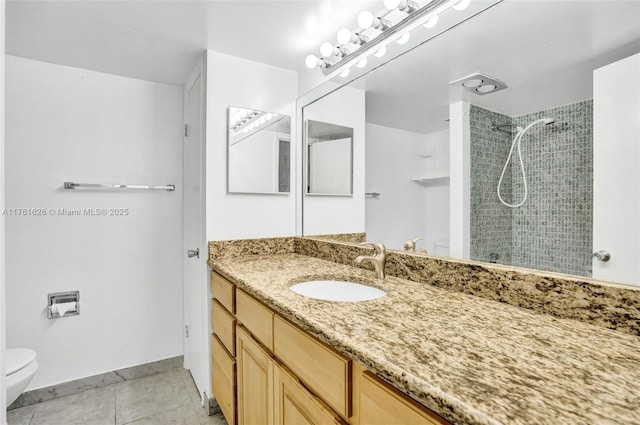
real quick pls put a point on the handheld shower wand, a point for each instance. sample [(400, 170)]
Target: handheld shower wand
[(516, 141)]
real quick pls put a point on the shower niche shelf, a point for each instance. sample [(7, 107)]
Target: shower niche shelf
[(432, 180)]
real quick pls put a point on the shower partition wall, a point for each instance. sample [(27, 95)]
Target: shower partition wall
[(559, 164)]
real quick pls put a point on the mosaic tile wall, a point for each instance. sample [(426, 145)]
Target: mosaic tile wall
[(553, 229), (555, 225), (491, 223)]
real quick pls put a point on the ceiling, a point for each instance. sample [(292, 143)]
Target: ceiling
[(545, 51), (160, 40)]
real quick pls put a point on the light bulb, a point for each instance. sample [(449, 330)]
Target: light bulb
[(311, 61), (392, 4), (365, 19), (405, 37), (344, 36), (461, 4), (381, 52), (268, 116), (432, 22), (326, 49), (362, 63), (345, 73)]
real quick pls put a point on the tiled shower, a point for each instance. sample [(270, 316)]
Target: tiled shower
[(553, 229)]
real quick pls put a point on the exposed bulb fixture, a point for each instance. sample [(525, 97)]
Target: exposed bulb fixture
[(432, 22), (404, 38), (344, 36), (375, 32), (327, 49), (347, 37), (365, 19), (311, 61), (393, 4), (461, 4)]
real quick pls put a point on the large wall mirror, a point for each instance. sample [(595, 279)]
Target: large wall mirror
[(438, 136), (258, 151)]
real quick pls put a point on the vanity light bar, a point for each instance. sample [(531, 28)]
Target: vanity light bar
[(376, 45)]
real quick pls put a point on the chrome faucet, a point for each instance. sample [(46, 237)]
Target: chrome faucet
[(410, 246), (378, 259)]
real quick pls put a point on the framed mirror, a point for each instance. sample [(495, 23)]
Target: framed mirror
[(258, 152), (329, 159), (435, 149)]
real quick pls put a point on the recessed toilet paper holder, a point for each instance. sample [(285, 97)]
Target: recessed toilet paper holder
[(63, 304)]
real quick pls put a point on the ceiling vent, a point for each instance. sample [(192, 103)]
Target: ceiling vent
[(480, 84)]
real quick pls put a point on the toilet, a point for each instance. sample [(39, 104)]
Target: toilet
[(21, 366)]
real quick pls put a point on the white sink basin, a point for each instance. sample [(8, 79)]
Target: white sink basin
[(337, 290)]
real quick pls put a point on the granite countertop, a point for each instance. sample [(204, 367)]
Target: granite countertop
[(471, 360)]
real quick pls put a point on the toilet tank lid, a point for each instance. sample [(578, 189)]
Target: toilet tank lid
[(19, 358)]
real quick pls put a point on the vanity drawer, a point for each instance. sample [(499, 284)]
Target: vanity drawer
[(257, 318), (223, 291), (224, 326), (382, 404), (325, 372), (223, 378)]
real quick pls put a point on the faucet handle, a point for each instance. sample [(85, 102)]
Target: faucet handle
[(410, 245)]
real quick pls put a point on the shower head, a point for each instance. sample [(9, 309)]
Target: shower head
[(548, 121)]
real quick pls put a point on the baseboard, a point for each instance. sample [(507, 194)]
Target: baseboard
[(96, 381)]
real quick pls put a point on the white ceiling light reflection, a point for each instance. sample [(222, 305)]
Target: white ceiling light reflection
[(404, 38)]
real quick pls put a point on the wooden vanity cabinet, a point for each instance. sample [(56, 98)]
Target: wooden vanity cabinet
[(266, 370), (223, 346), (295, 405), (380, 403), (255, 381)]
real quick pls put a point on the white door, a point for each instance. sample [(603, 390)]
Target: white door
[(196, 347), (616, 175)]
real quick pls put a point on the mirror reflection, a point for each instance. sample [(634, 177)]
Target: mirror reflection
[(329, 158), (259, 151), (442, 137)]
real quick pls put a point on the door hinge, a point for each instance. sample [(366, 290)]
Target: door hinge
[(186, 130), (186, 331)]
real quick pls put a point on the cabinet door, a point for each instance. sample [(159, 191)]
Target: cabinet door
[(255, 381), (382, 404), (297, 406), (223, 377)]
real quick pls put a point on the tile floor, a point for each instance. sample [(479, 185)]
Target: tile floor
[(165, 398)]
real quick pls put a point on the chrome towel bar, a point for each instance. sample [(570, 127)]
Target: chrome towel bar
[(72, 185)]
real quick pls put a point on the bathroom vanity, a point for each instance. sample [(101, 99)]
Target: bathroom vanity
[(266, 369), (420, 354)]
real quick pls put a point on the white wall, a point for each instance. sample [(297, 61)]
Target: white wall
[(69, 124), (244, 83), (339, 214), (330, 166), (253, 163), (437, 199), (405, 209), (392, 161), (3, 394)]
